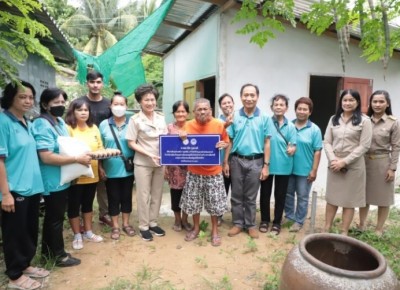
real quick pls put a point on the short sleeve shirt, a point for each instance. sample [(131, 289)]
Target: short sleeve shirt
[(281, 163), (100, 110), (214, 126), (91, 136), (18, 148), (46, 136), (115, 167), (309, 140), (248, 133), (146, 133)]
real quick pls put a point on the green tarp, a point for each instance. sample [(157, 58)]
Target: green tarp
[(122, 63)]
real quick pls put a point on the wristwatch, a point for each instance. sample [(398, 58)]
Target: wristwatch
[(266, 163)]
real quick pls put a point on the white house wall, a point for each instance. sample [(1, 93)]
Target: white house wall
[(194, 58), (284, 65)]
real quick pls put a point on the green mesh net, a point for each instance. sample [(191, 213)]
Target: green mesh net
[(122, 64)]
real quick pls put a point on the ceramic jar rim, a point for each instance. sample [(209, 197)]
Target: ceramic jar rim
[(382, 265)]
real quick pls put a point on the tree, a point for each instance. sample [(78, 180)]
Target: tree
[(154, 66), (371, 17), (19, 36), (102, 22), (60, 10)]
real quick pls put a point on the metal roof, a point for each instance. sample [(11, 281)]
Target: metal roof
[(183, 17), (58, 44), (186, 15)]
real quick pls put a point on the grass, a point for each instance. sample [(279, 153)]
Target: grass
[(145, 278), (223, 284), (251, 246), (388, 243)]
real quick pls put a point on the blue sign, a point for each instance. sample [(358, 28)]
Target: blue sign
[(195, 150)]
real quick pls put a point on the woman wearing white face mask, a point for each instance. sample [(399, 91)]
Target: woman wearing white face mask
[(119, 180)]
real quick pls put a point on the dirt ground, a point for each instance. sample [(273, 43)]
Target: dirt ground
[(170, 262)]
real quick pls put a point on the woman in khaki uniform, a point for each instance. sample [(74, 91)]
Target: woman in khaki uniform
[(381, 159), (143, 134), (347, 139)]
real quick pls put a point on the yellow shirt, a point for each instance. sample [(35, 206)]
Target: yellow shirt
[(91, 136)]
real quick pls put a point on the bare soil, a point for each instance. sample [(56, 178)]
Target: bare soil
[(170, 262)]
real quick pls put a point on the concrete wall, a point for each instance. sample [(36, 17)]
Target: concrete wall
[(193, 59), (284, 65)]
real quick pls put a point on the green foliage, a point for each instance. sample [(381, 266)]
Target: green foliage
[(251, 246), (19, 37), (378, 40), (201, 261), (98, 24), (203, 226), (60, 10), (223, 284), (271, 13), (154, 70), (387, 244)]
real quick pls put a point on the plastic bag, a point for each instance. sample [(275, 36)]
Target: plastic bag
[(71, 146)]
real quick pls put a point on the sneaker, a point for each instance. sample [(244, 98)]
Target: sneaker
[(146, 235), (93, 238), (253, 233), (234, 231), (77, 244), (106, 220), (295, 228), (159, 232), (68, 261)]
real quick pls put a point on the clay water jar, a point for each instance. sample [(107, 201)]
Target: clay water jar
[(331, 261)]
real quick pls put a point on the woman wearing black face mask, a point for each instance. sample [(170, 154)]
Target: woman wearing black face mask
[(46, 130)]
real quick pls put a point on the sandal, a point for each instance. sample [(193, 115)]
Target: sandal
[(115, 233), (190, 236), (263, 227), (35, 272), (177, 228), (276, 230), (216, 241), (129, 230), (24, 284), (188, 227)]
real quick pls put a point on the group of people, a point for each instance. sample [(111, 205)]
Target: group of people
[(257, 150)]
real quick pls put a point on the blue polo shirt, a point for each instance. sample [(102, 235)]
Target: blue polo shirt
[(222, 152), (281, 162), (18, 148), (309, 140), (249, 132), (46, 132), (115, 167)]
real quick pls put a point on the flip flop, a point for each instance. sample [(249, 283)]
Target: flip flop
[(115, 233), (25, 284), (275, 230), (36, 272), (190, 236), (188, 227), (129, 230), (216, 241), (263, 227), (177, 228)]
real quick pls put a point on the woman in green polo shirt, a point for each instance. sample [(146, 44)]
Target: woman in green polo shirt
[(46, 130), (20, 187)]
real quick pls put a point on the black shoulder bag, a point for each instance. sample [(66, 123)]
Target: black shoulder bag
[(280, 133), (128, 162)]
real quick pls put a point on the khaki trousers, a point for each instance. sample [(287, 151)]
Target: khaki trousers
[(149, 189)]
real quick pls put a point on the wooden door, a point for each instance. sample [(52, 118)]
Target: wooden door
[(190, 94), (363, 86)]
